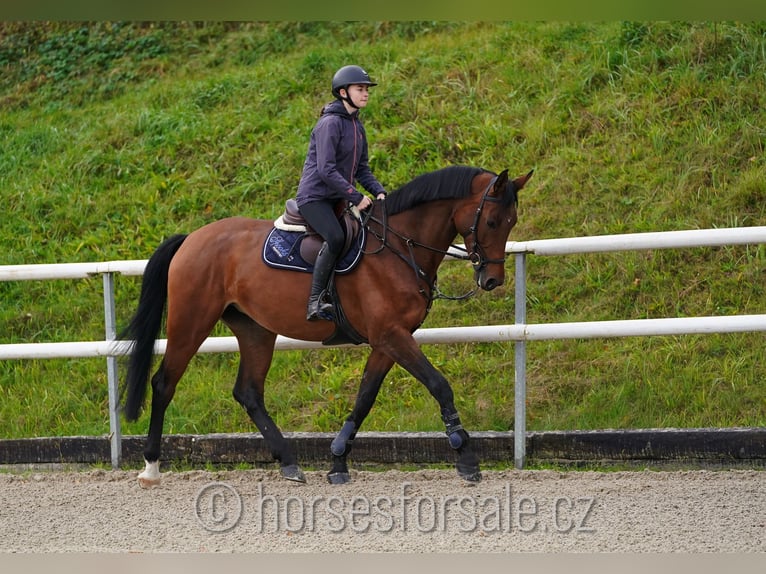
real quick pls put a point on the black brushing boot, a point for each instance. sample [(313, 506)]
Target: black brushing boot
[(319, 307)]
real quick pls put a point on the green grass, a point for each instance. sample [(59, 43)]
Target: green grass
[(114, 136)]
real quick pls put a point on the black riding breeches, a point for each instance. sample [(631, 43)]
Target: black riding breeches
[(320, 215)]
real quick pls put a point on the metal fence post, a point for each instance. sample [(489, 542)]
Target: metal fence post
[(115, 436), (520, 364)]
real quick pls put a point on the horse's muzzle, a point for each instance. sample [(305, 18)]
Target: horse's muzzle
[(487, 281)]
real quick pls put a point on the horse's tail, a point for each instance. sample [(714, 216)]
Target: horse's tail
[(145, 325)]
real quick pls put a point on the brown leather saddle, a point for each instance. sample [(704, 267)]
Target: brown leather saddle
[(292, 220)]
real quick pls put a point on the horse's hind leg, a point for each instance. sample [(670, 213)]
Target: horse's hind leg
[(256, 349), (164, 384), (375, 371), (183, 342)]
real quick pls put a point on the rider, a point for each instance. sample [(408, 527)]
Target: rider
[(336, 158)]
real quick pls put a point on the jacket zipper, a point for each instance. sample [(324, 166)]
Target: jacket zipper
[(353, 161)]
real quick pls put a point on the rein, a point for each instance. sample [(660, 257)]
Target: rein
[(476, 256), (420, 275)]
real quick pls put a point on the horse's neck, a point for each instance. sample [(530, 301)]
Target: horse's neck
[(429, 225)]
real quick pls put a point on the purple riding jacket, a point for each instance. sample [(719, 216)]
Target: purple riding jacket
[(336, 158)]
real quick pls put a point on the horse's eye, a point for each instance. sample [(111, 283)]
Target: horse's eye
[(491, 223)]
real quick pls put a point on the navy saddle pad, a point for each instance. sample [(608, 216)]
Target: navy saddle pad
[(282, 251)]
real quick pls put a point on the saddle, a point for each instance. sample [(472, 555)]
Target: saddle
[(292, 220)]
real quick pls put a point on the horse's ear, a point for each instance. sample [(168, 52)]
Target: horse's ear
[(520, 181), (501, 182)]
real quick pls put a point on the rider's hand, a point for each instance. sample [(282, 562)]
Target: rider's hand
[(364, 204)]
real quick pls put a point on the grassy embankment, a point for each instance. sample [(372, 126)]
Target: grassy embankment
[(114, 137)]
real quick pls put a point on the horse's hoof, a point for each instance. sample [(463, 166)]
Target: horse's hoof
[(150, 476), (472, 476), (148, 482), (293, 472), (338, 477)]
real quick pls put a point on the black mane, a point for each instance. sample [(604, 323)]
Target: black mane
[(447, 183)]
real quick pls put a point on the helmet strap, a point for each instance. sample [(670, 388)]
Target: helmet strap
[(348, 99)]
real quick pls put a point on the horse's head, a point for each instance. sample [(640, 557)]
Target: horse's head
[(485, 221)]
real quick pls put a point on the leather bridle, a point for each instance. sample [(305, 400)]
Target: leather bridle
[(477, 254)]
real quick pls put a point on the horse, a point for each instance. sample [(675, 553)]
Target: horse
[(215, 273)]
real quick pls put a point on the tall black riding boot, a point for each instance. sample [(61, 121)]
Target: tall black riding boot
[(319, 307)]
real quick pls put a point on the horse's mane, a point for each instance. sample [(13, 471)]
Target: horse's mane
[(452, 182)]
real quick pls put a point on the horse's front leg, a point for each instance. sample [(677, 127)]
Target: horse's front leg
[(405, 351), (376, 369)]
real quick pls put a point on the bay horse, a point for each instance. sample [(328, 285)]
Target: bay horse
[(216, 273)]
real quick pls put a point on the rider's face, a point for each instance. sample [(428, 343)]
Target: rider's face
[(359, 93)]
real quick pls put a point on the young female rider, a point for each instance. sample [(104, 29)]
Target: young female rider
[(336, 158)]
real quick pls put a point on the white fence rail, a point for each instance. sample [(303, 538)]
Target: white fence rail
[(520, 332)]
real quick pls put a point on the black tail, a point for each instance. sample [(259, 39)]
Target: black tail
[(145, 325)]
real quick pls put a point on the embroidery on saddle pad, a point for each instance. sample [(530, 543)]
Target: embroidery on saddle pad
[(281, 250)]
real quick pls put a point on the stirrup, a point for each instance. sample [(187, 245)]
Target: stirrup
[(318, 309)]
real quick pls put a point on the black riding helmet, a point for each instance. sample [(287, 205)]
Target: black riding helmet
[(346, 76)]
